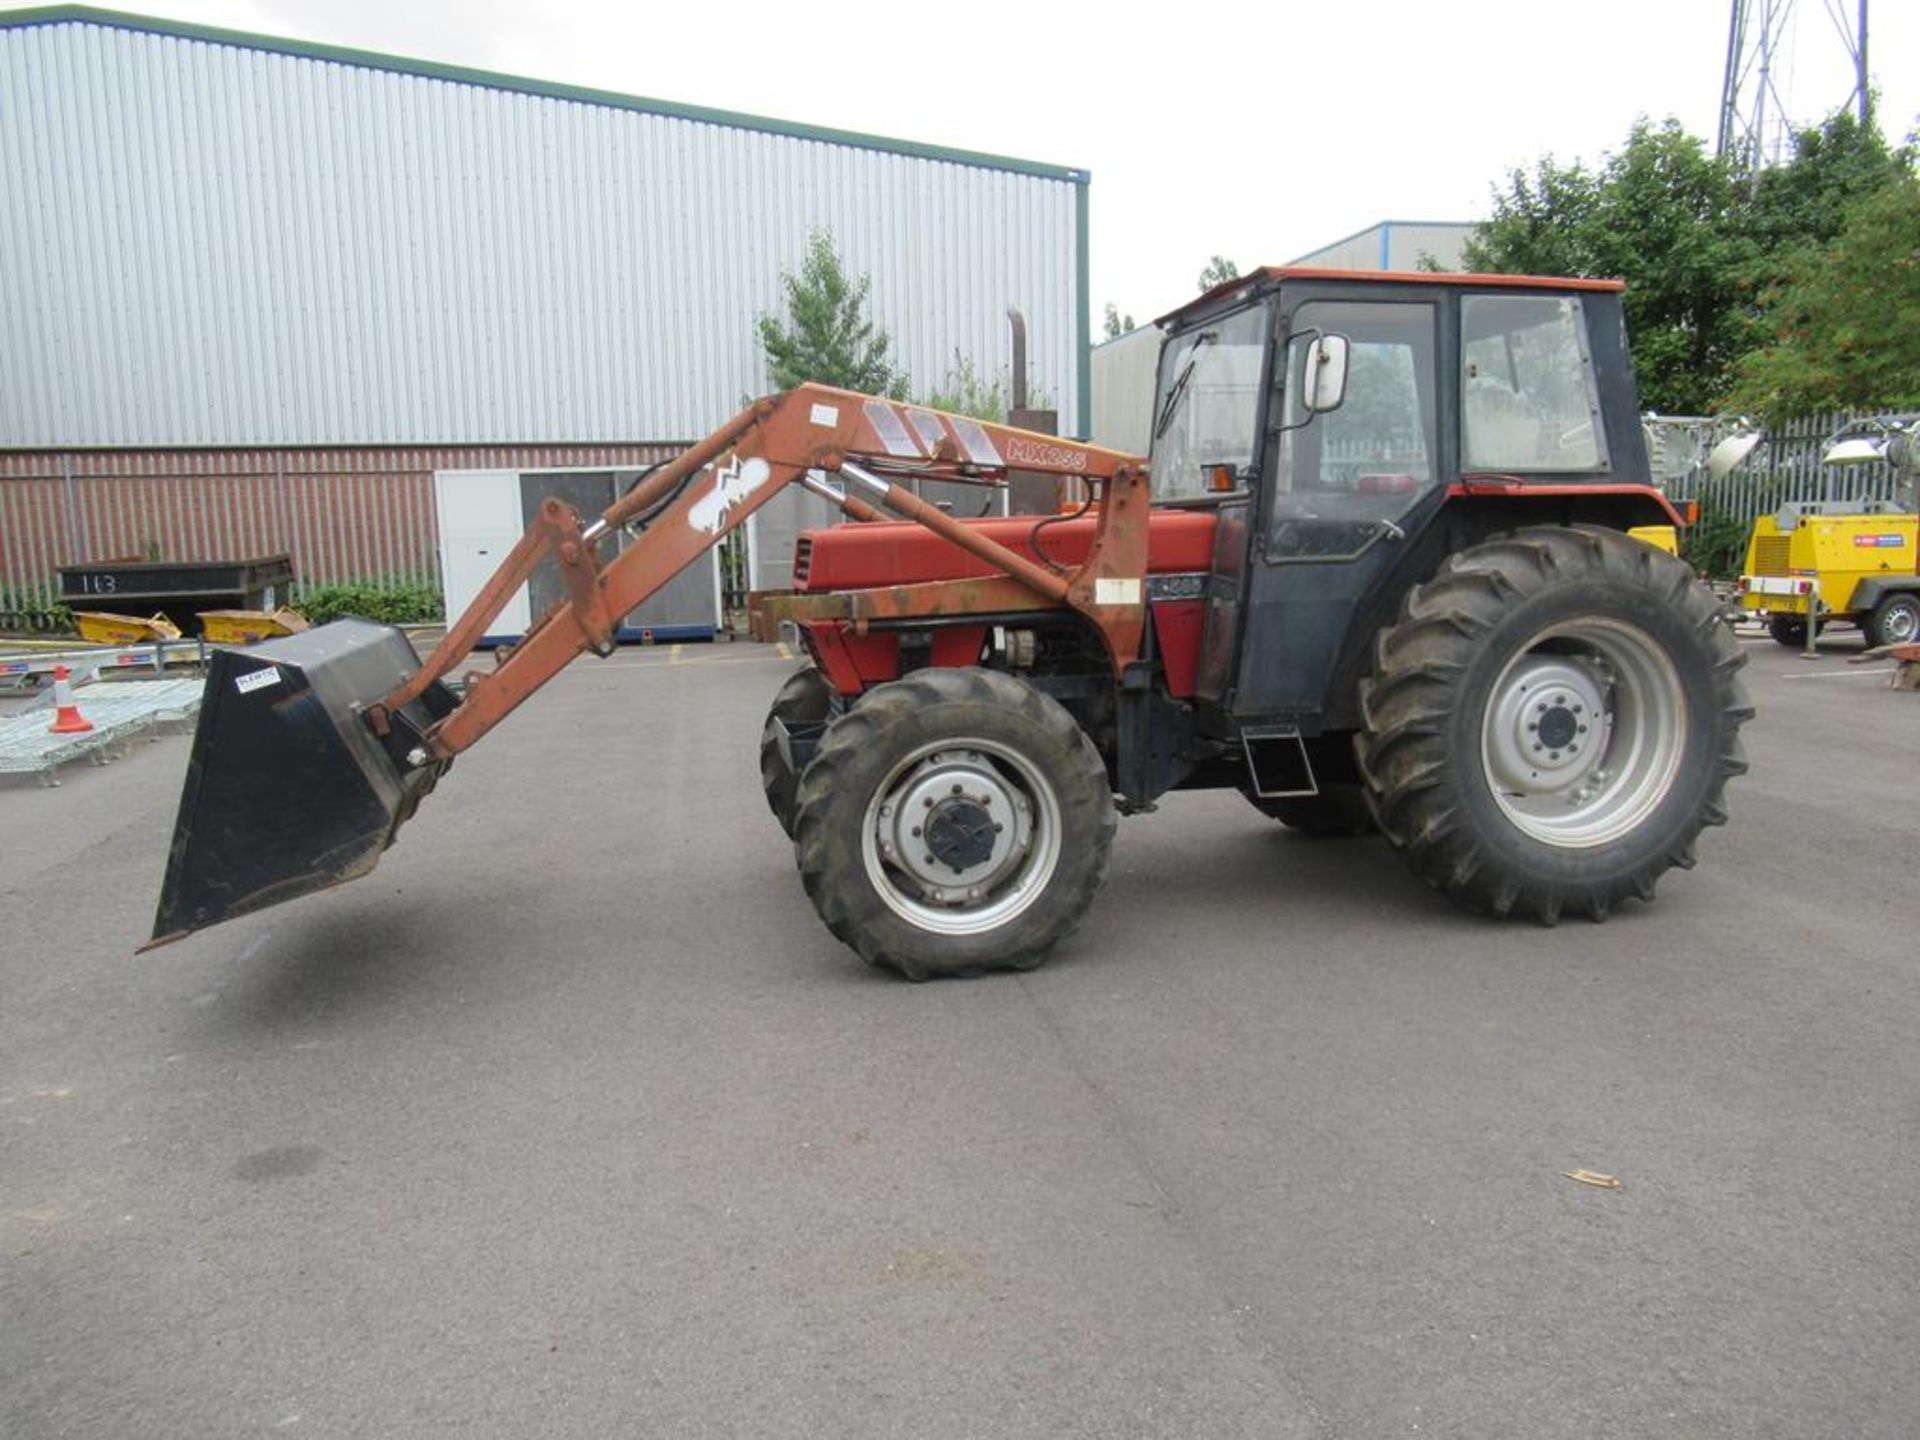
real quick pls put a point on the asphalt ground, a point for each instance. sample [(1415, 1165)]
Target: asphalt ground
[(573, 1121)]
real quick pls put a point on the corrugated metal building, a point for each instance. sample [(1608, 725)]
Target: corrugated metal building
[(1395, 245), (231, 254)]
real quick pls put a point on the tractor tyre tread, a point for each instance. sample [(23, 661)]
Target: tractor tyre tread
[(1412, 730), (806, 697)]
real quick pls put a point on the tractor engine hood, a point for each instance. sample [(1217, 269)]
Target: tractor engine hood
[(877, 553)]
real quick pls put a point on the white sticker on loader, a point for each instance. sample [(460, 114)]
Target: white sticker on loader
[(733, 482), (1116, 592), (827, 415), (257, 680)]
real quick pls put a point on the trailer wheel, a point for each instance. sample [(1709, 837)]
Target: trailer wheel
[(1339, 811), (1551, 723), (806, 699), (1895, 621), (1791, 630), (955, 821)]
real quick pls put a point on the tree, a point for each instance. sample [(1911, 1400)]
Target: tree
[(1807, 199), (1219, 270), (1841, 319), (1656, 213), (1699, 244), (968, 391), (1115, 323), (826, 336)]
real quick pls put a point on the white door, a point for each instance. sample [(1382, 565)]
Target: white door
[(480, 522)]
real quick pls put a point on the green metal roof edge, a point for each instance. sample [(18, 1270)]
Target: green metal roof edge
[(519, 84), (1083, 308)]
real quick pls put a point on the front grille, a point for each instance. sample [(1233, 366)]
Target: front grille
[(802, 558), (1770, 555)]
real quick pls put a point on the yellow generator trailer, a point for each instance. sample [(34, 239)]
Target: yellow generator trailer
[(1851, 561)]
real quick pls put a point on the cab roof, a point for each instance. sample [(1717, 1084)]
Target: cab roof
[(1270, 275)]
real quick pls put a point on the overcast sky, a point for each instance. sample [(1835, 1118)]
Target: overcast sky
[(1256, 131)]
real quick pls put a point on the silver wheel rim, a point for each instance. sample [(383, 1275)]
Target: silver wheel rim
[(961, 837), (1902, 624), (1583, 733)]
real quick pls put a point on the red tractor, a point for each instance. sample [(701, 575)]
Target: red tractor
[(1374, 574)]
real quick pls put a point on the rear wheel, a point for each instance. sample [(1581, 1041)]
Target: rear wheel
[(1895, 621), (806, 699), (1552, 722), (952, 822)]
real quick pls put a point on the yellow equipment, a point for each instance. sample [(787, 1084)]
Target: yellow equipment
[(249, 627), (1660, 537), (1835, 563), (103, 628), (1813, 563)]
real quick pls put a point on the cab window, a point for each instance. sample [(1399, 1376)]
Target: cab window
[(1527, 394), (1342, 478)]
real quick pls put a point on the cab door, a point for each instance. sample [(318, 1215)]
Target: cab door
[(1343, 494)]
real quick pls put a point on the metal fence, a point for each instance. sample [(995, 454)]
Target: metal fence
[(343, 514), (1785, 467)]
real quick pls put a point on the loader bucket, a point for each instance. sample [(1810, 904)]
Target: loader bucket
[(288, 789)]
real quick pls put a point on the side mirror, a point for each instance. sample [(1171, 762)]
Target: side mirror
[(1324, 377)]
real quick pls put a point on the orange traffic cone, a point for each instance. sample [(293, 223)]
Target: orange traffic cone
[(67, 719)]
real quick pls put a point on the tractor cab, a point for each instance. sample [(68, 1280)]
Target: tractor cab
[(1334, 420)]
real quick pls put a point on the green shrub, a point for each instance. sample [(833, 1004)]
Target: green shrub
[(1715, 545), (392, 602), (33, 609)]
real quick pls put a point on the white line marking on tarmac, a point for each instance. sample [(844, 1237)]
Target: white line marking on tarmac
[(1841, 674)]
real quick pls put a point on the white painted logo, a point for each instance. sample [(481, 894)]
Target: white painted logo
[(732, 483), (1054, 457), (257, 680)]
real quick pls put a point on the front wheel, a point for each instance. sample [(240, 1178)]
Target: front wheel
[(1552, 722), (954, 821), (805, 701)]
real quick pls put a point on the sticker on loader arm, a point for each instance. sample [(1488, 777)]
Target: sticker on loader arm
[(733, 482), (1116, 592), (257, 680)]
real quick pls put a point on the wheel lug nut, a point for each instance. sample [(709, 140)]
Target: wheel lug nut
[(929, 859), (1583, 729), (1532, 725), (1554, 756), (998, 827), (928, 802), (916, 832), (956, 790)]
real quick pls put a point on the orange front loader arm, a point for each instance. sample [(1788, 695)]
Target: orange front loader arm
[(690, 504)]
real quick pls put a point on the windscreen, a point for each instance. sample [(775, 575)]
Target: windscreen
[(1206, 405)]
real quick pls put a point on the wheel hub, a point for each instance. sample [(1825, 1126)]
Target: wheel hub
[(955, 826), (1548, 726), (960, 834), (1584, 732)]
